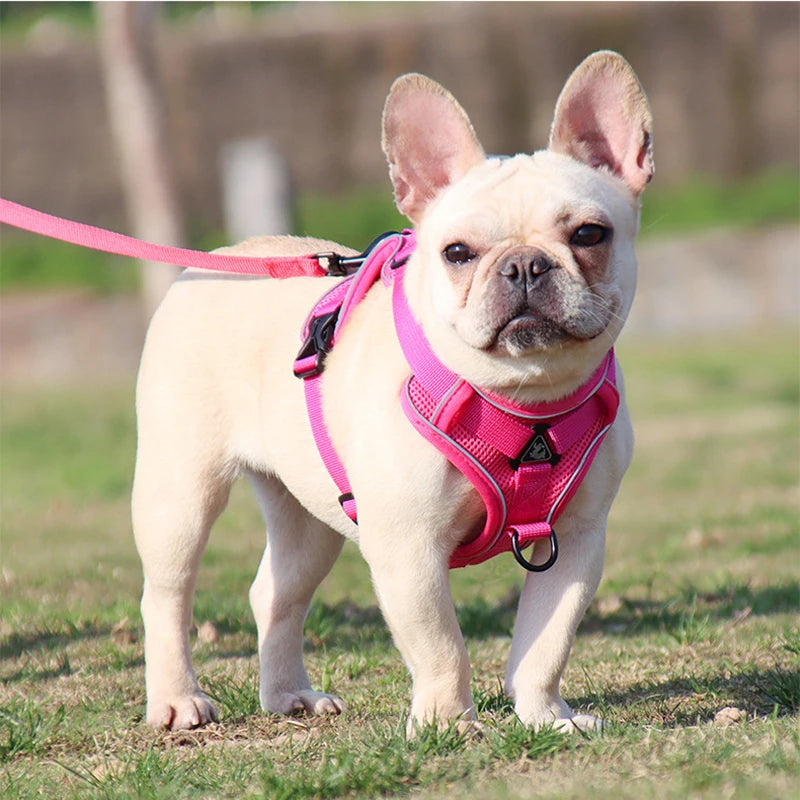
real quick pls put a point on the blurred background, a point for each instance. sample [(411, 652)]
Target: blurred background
[(202, 123)]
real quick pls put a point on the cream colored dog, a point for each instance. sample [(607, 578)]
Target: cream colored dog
[(217, 398)]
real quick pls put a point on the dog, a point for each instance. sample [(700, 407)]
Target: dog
[(521, 279)]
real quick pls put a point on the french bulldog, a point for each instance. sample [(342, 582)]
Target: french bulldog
[(216, 398)]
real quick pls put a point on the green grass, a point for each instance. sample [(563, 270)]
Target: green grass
[(33, 262), (765, 199), (698, 611), (354, 218)]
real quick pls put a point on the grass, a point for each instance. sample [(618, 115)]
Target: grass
[(698, 612), (356, 217), (764, 199)]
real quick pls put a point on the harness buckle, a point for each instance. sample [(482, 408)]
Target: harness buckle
[(522, 561), (348, 504), (310, 359)]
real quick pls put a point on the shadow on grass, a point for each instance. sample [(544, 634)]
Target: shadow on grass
[(681, 702), (343, 626), (347, 625), (691, 613), (684, 617), (17, 644), (43, 654)]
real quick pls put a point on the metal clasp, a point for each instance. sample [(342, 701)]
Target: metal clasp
[(337, 266), (524, 561)]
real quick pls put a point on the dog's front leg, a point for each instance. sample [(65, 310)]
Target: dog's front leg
[(412, 583), (550, 608)]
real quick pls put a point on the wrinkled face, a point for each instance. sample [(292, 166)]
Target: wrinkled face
[(533, 254)]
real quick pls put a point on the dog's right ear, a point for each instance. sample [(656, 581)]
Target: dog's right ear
[(428, 141)]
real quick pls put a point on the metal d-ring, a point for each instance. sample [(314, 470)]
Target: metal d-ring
[(527, 564)]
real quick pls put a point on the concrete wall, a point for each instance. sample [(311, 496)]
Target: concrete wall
[(722, 79)]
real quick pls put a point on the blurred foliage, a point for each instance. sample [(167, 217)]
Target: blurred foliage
[(35, 262), (18, 19), (768, 198), (356, 217)]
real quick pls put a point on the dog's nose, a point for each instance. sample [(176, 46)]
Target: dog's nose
[(524, 265)]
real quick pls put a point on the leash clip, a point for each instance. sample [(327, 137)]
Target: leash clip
[(338, 266), (522, 561)]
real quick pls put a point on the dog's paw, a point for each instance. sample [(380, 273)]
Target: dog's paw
[(470, 729), (466, 726), (579, 723), (304, 701), (183, 713)]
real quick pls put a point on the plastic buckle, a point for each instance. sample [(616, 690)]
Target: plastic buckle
[(317, 345), (348, 504)]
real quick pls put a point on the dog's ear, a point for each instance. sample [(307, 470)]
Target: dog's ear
[(428, 141), (603, 119)]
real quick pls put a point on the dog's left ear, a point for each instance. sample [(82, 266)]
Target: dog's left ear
[(603, 119), (428, 141)]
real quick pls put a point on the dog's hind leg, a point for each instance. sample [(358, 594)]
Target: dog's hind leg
[(175, 503), (300, 552)]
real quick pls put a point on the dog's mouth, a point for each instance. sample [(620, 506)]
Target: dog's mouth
[(530, 330), (556, 311)]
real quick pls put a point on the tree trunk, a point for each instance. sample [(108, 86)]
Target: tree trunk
[(127, 37)]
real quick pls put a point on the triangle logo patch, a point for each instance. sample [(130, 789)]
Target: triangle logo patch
[(538, 450)]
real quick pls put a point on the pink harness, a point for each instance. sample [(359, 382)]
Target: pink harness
[(526, 462)]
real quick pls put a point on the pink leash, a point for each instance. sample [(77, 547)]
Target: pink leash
[(109, 242)]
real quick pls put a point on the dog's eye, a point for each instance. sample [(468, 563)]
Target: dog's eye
[(589, 235), (459, 253)]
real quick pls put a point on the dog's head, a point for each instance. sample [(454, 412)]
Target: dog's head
[(524, 270)]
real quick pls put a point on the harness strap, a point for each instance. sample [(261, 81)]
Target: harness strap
[(321, 332)]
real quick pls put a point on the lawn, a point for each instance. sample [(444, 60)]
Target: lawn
[(691, 650)]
